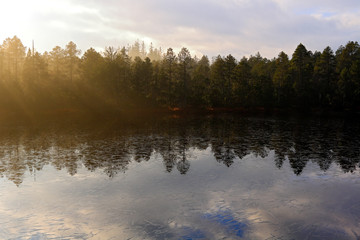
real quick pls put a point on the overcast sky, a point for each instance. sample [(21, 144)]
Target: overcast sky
[(239, 27)]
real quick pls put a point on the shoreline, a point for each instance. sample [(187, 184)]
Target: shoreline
[(133, 113)]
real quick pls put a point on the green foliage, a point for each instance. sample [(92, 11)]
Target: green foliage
[(241, 88), (217, 82), (348, 66), (132, 77), (200, 86), (324, 79), (301, 72), (282, 81)]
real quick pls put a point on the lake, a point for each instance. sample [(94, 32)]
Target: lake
[(180, 177)]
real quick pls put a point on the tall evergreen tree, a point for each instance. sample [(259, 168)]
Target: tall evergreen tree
[(170, 67), (348, 67), (57, 63), (14, 53), (200, 82), (261, 81), (301, 68), (241, 87), (92, 67), (324, 79), (282, 81), (217, 82), (230, 64), (72, 59), (184, 64)]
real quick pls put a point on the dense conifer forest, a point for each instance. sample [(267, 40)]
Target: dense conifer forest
[(140, 77)]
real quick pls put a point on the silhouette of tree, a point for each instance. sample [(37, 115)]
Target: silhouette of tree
[(127, 78), (170, 62), (14, 53), (261, 83), (200, 82), (282, 80), (72, 60), (57, 63), (241, 87), (184, 62), (301, 68), (92, 65), (35, 78), (217, 82), (324, 81), (348, 62)]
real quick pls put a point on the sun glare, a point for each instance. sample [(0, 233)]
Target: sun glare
[(15, 18), (20, 17)]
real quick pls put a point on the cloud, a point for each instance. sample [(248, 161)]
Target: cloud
[(239, 27), (252, 199)]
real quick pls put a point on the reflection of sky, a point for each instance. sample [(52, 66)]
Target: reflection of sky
[(251, 200), (226, 219)]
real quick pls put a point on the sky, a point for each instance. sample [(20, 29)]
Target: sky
[(205, 27)]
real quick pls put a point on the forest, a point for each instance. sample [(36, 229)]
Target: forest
[(140, 77)]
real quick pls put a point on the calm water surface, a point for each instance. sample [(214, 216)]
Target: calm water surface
[(180, 178)]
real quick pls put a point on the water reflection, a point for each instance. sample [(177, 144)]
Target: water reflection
[(112, 146), (227, 220), (224, 177)]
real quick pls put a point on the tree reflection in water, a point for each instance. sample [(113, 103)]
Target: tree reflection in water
[(112, 147)]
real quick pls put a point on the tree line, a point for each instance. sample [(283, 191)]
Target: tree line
[(137, 77)]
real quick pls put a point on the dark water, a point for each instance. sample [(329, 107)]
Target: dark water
[(181, 178)]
